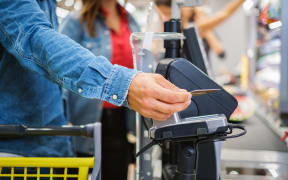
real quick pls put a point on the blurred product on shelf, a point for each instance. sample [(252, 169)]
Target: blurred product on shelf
[(246, 105), (267, 76), (270, 11), (244, 110), (225, 79), (284, 138)]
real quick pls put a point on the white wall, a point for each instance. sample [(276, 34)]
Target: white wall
[(233, 34)]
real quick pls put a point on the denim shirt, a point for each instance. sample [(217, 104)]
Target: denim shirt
[(80, 110), (34, 61)]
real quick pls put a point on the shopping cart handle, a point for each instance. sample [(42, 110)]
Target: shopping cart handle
[(17, 131), (12, 130)]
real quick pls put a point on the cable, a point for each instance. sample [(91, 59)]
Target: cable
[(217, 139), (234, 126), (197, 155)]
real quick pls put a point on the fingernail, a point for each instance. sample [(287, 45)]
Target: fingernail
[(183, 90)]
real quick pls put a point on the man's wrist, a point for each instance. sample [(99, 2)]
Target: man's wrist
[(118, 84)]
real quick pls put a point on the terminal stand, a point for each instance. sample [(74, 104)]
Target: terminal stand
[(187, 161)]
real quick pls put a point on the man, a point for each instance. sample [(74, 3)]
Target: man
[(35, 60)]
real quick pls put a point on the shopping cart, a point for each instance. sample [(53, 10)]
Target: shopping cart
[(46, 168)]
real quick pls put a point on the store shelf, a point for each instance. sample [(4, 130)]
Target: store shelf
[(267, 63)]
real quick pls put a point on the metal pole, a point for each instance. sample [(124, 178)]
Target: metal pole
[(252, 38), (144, 161), (284, 64)]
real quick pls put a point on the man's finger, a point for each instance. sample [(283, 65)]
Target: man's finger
[(166, 84), (169, 108), (170, 96), (156, 115)]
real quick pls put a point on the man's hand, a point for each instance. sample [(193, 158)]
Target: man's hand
[(154, 97)]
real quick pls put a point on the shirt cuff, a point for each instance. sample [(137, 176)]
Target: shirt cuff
[(103, 81), (117, 85)]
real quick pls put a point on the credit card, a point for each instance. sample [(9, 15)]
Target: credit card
[(200, 92)]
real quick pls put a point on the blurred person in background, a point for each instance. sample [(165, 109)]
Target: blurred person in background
[(205, 24), (36, 60), (103, 27)]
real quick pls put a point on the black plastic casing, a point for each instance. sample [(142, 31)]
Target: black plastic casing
[(185, 75)]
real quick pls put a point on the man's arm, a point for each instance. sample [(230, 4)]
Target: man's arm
[(26, 33)]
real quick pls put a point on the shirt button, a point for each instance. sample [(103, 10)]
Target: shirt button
[(89, 45), (114, 97), (80, 90)]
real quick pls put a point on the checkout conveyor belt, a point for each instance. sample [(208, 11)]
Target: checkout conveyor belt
[(259, 155), (259, 137)]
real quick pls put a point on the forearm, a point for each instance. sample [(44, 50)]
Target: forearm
[(78, 70), (232, 7), (26, 33), (211, 22)]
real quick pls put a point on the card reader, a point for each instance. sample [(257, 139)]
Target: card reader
[(190, 128)]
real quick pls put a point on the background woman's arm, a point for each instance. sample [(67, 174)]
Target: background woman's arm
[(205, 23)]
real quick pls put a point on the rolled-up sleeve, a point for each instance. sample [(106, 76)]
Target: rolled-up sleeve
[(26, 33)]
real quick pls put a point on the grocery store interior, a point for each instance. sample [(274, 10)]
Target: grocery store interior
[(245, 51), (254, 69)]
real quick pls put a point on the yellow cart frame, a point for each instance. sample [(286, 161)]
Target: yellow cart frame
[(21, 164), (48, 168)]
